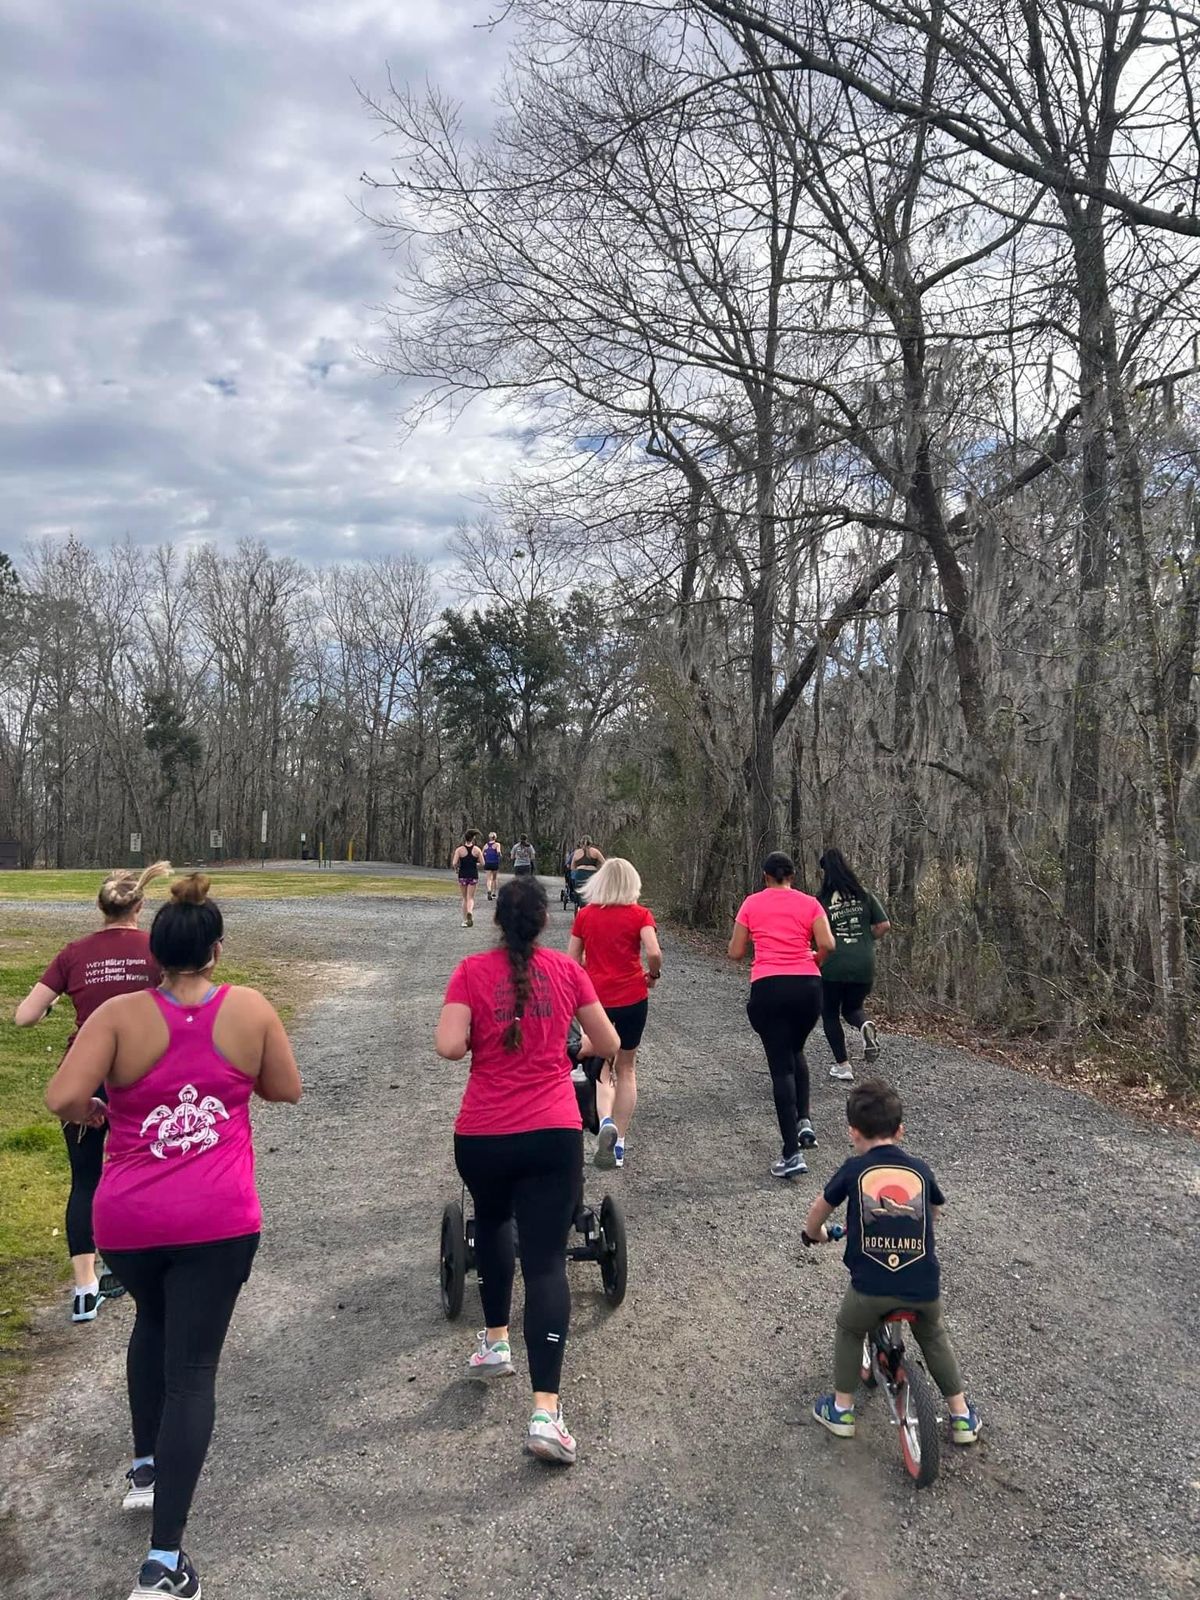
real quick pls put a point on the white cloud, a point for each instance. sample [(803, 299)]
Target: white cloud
[(189, 282)]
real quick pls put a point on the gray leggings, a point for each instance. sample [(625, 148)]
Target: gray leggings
[(859, 1313)]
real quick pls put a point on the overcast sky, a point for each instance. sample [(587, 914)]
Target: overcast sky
[(186, 283)]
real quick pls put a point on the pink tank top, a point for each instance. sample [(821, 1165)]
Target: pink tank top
[(179, 1167)]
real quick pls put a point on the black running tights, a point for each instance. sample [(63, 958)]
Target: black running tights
[(840, 1000), (783, 1012), (85, 1151), (185, 1295), (536, 1177)]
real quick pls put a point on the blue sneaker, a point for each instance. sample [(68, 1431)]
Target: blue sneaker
[(605, 1156), (829, 1416), (619, 1154), (965, 1429)]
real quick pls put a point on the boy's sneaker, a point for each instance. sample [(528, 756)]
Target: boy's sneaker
[(965, 1429), (619, 1153), (842, 1071), (491, 1360), (84, 1306), (789, 1166), (549, 1440), (870, 1039), (808, 1139), (606, 1145), (829, 1416), (155, 1579), (140, 1494)]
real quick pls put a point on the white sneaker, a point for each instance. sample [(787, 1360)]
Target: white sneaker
[(85, 1303), (606, 1144), (491, 1360), (140, 1494), (842, 1071), (619, 1154), (870, 1039), (549, 1440)]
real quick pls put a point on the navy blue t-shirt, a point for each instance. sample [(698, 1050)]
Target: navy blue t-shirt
[(889, 1231)]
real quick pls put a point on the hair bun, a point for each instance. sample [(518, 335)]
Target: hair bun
[(192, 890)]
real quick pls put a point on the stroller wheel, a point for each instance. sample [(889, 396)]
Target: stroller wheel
[(453, 1273), (613, 1259)]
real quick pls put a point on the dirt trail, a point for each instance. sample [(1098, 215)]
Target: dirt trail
[(351, 1457)]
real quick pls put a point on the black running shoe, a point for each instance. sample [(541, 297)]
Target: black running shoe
[(155, 1579), (84, 1307), (111, 1287)]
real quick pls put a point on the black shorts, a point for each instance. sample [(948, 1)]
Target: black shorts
[(522, 869), (630, 1022)]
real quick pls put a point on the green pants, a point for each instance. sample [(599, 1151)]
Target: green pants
[(859, 1313)]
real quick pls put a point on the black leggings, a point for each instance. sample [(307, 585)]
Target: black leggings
[(783, 1012), (538, 1178), (86, 1155), (840, 1000), (185, 1295)]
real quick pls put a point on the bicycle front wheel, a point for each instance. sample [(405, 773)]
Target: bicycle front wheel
[(915, 1405)]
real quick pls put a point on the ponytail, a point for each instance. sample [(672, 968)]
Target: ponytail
[(123, 890), (520, 916)]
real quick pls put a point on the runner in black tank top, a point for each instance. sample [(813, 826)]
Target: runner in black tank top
[(465, 861)]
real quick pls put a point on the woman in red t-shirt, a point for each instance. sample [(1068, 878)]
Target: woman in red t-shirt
[(114, 960), (518, 1141), (608, 939)]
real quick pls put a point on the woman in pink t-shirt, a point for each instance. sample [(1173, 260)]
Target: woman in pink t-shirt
[(518, 1143), (791, 937), (177, 1213)]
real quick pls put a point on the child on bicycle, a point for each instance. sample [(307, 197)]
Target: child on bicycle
[(891, 1200)]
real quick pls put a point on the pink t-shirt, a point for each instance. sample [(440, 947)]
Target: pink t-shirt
[(515, 1091), (179, 1167), (780, 923)]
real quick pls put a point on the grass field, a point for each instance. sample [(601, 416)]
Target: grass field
[(233, 883), (34, 1174)]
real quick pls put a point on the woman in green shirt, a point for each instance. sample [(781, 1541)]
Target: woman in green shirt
[(857, 920)]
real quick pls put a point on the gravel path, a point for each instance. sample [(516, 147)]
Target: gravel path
[(351, 1457)]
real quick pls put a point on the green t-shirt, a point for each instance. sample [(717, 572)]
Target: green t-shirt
[(853, 959)]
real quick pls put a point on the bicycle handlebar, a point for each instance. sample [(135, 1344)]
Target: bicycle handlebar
[(833, 1232)]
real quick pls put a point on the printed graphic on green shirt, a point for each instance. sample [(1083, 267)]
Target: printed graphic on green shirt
[(851, 919)]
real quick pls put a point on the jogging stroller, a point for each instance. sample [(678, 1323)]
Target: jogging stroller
[(597, 1236)]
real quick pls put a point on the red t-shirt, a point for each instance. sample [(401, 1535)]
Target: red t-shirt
[(612, 951), (515, 1091), (780, 923), (108, 962)]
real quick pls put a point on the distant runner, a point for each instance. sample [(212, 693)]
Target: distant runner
[(115, 960), (492, 853), (466, 861), (524, 856), (858, 922)]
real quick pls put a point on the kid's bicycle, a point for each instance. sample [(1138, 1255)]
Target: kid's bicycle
[(911, 1397)]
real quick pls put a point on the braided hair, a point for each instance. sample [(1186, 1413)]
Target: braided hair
[(520, 916)]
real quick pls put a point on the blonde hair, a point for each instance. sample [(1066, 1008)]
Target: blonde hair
[(123, 890), (616, 883)]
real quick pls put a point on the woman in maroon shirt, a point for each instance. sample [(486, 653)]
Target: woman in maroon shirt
[(114, 960)]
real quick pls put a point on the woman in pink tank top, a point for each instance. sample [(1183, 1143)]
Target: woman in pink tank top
[(177, 1212)]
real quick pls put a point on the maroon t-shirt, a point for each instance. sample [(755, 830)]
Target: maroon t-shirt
[(108, 962)]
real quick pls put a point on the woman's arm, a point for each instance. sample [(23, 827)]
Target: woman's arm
[(278, 1076), (452, 1038), (823, 941), (35, 1005), (603, 1037), (740, 942), (575, 948), (84, 1067), (653, 951)]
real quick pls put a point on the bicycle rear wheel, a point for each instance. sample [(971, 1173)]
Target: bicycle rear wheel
[(915, 1406)]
